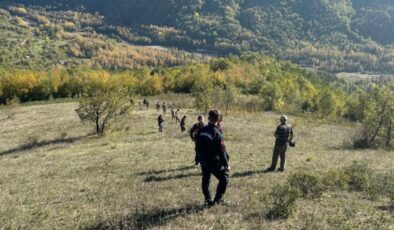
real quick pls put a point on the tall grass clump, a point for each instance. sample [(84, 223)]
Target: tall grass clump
[(309, 185), (282, 202), (335, 180)]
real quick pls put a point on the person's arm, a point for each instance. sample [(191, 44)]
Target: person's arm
[(291, 136), (191, 132)]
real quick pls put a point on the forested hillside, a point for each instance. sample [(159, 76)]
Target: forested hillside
[(336, 35), (35, 38)]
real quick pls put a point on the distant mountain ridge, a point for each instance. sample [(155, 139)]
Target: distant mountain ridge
[(300, 30)]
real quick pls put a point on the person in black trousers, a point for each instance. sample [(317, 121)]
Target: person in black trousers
[(160, 121), (213, 159), (284, 135)]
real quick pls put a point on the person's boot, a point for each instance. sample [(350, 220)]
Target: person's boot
[(281, 169), (209, 203), (270, 169)]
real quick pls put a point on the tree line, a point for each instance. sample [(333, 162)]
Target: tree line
[(268, 85)]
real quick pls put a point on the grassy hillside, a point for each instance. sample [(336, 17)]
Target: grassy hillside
[(54, 176), (337, 35)]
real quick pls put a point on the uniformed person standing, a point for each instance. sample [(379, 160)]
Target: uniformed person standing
[(213, 159), (193, 133), (160, 121), (164, 106), (183, 124), (158, 106), (283, 135), (146, 103), (172, 114)]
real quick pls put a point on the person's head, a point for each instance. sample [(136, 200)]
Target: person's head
[(159, 116), (213, 116), (200, 119), (283, 119)]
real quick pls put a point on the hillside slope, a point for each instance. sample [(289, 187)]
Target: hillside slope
[(37, 38), (353, 35), (138, 178)]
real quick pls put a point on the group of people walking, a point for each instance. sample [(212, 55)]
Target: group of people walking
[(211, 153), (174, 116)]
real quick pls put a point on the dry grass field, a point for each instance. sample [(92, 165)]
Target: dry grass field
[(54, 175)]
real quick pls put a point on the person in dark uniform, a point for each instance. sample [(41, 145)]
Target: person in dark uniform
[(164, 106), (172, 114), (183, 124), (158, 106), (160, 121), (283, 135), (146, 103), (193, 133), (213, 159)]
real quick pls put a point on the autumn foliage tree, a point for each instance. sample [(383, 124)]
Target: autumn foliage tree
[(102, 102)]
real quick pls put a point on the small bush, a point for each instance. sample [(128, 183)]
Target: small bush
[(309, 185), (283, 202), (359, 176), (373, 189), (335, 180)]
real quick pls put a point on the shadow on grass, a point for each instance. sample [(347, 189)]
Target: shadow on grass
[(255, 216), (247, 173), (147, 219), (166, 178), (387, 208), (149, 133), (345, 146), (39, 144), (185, 168)]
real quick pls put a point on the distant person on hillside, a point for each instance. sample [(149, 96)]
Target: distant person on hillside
[(146, 103), (158, 106), (193, 133), (160, 121), (176, 116), (213, 159), (283, 135), (164, 106), (183, 124), (172, 114)]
